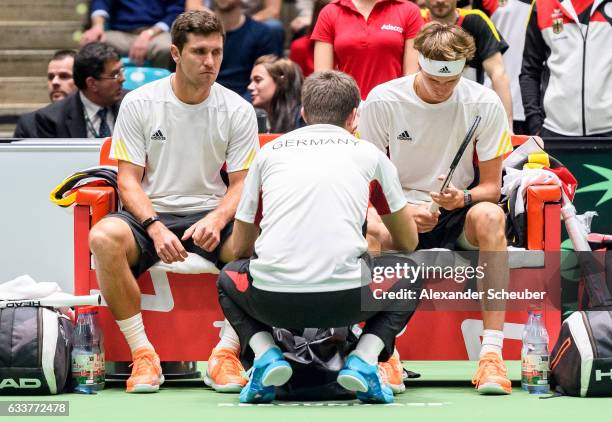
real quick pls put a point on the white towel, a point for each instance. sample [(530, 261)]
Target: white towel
[(24, 287)]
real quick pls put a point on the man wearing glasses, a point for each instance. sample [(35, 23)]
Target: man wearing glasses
[(91, 111)]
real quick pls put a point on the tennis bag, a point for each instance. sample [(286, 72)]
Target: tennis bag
[(35, 347), (581, 361), (316, 355)]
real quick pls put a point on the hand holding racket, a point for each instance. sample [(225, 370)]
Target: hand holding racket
[(466, 141), (449, 199)]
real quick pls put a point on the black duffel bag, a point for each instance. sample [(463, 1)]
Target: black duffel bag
[(581, 361), (316, 355), (35, 347)]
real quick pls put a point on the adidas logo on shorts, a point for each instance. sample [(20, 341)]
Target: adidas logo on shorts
[(404, 136), (158, 136), (444, 70)]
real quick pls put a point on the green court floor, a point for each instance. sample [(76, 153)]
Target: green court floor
[(442, 394)]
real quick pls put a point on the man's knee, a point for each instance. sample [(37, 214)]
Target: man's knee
[(110, 236), (487, 220)]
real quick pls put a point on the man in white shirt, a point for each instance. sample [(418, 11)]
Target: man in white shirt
[(308, 192), (421, 120), (171, 139)]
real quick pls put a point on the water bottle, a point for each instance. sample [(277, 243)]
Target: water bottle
[(88, 352), (524, 369), (535, 361)]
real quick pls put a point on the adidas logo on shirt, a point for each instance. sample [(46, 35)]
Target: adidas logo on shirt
[(404, 136), (158, 136), (444, 70)]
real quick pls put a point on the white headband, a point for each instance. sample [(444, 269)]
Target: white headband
[(441, 68)]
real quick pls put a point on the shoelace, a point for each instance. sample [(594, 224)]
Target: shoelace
[(142, 362), (489, 365), (382, 373), (229, 361)]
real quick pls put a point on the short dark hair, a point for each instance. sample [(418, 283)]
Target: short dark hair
[(195, 22), (62, 54), (329, 97), (90, 61)]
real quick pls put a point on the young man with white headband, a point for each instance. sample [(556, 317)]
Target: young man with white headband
[(421, 120)]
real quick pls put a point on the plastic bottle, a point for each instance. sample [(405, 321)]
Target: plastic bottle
[(536, 359), (88, 352), (524, 369)]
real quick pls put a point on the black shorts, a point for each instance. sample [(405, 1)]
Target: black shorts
[(447, 232), (177, 224)]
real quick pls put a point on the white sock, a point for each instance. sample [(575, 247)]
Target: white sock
[(134, 332), (261, 342), (229, 338), (492, 341), (368, 348)]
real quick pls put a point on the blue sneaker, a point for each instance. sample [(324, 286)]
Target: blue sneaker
[(364, 378), (268, 372)]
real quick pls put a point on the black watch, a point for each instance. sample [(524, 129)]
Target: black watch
[(150, 221), (467, 198)]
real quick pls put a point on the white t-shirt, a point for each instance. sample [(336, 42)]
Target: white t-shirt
[(423, 138), (182, 146), (311, 188)]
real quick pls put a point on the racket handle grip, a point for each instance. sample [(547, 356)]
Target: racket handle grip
[(434, 208)]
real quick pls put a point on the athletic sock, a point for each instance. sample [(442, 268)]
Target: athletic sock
[(229, 338), (261, 342), (368, 348), (492, 341), (134, 332)]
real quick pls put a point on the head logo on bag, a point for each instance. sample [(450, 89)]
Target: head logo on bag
[(20, 383), (599, 375)]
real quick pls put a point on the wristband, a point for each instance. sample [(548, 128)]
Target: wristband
[(467, 198), (150, 221)]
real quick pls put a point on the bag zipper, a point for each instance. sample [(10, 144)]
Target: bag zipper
[(41, 335), (587, 325)]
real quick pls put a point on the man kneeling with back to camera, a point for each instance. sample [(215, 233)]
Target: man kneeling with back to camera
[(309, 266)]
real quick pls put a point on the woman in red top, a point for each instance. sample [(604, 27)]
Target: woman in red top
[(371, 40), (302, 49)]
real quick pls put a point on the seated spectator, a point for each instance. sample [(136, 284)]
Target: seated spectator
[(276, 86), (372, 42), (268, 12), (59, 85), (137, 28), (310, 266), (489, 45), (245, 41), (302, 49), (91, 111)]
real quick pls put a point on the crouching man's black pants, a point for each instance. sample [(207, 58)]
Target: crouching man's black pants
[(250, 310)]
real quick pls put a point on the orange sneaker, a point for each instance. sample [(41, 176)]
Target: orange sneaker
[(392, 373), (224, 371), (491, 375), (146, 372)]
